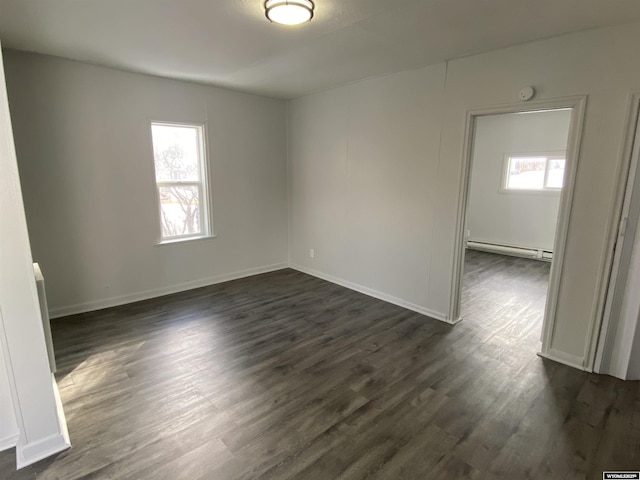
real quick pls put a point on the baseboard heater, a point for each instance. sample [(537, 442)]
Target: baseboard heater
[(525, 252)]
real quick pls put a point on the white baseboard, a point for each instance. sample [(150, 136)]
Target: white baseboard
[(8, 442), (27, 454), (34, 452), (373, 293), (159, 292), (565, 359)]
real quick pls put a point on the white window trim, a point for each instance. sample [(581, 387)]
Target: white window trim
[(553, 155), (205, 190)]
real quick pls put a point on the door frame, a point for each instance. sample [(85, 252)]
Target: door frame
[(625, 216), (578, 105)]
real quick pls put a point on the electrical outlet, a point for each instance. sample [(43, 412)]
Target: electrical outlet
[(312, 253)]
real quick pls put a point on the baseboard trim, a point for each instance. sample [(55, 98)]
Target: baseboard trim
[(30, 453), (8, 442), (34, 452), (373, 293), (565, 359), (159, 292)]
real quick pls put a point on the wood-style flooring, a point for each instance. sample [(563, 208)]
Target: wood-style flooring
[(285, 376)]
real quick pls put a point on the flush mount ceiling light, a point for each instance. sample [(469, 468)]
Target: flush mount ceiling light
[(289, 12)]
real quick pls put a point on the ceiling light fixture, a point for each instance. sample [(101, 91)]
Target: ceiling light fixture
[(289, 12)]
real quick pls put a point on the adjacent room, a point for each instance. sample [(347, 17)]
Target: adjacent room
[(517, 173), (296, 239)]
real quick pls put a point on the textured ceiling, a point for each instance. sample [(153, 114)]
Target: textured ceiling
[(230, 43)]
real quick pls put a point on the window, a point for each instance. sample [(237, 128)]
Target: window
[(181, 180), (534, 172)]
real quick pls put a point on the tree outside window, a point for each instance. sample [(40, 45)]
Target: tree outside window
[(180, 168)]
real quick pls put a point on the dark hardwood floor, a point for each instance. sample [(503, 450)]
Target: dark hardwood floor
[(285, 376), (505, 296)]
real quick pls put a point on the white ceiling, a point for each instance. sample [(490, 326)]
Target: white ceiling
[(230, 43)]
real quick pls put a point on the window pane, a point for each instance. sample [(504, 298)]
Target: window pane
[(175, 151), (526, 173), (180, 210), (555, 177)]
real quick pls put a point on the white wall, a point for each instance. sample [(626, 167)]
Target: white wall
[(38, 413), (374, 188), (8, 425), (513, 218), (363, 174), (84, 151)]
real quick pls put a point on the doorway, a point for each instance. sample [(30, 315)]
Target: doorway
[(516, 192)]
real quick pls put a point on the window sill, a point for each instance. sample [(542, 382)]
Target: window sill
[(185, 240)]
